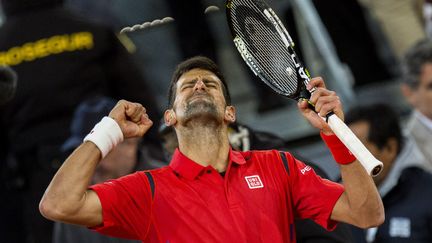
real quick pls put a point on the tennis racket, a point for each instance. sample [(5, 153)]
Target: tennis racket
[(268, 50)]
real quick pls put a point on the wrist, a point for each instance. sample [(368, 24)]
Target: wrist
[(105, 135), (339, 151), (327, 132)]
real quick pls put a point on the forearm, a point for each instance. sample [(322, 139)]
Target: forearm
[(360, 204), (67, 198), (364, 203), (66, 194)]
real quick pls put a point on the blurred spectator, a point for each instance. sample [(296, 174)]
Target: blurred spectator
[(404, 183), (417, 89), (122, 160), (427, 17), (355, 45), (169, 140), (61, 60), (401, 22), (243, 138)]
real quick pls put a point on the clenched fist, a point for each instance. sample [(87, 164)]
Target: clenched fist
[(132, 118), (325, 101)]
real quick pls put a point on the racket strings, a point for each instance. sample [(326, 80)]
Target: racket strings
[(266, 45), (269, 60)]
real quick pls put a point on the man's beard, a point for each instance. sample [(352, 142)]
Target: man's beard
[(202, 111)]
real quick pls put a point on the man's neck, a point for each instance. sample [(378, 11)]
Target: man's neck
[(206, 145)]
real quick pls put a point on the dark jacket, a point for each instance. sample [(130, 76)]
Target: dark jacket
[(407, 197), (61, 60)]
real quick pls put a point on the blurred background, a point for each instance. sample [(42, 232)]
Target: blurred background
[(356, 45)]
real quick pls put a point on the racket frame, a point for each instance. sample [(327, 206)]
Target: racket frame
[(348, 138)]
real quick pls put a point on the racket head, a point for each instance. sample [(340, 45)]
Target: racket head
[(266, 47)]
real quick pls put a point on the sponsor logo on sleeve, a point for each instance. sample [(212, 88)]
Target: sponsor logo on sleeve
[(305, 169)]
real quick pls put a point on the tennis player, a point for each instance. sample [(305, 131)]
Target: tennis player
[(209, 193)]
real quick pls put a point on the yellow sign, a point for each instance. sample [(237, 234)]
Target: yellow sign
[(45, 47)]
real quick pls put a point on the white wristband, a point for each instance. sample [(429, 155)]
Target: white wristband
[(105, 135)]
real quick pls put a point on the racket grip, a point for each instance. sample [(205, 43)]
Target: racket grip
[(366, 159)]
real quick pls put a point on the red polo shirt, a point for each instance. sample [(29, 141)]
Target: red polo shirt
[(256, 201)]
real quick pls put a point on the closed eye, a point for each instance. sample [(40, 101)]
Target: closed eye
[(211, 83), (187, 86), (429, 86), (207, 82)]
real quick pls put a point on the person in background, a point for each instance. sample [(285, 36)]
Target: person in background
[(400, 21), (209, 192), (404, 183), (122, 160), (61, 59), (426, 9), (417, 88), (347, 26)]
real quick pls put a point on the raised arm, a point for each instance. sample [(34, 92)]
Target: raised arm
[(360, 204), (67, 198)]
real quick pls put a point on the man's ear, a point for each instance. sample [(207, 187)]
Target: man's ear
[(390, 150), (392, 146), (230, 114), (170, 118), (409, 94)]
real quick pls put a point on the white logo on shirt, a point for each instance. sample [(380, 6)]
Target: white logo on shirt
[(400, 227), (305, 169), (371, 234), (254, 182)]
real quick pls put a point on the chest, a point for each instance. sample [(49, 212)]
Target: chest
[(248, 204)]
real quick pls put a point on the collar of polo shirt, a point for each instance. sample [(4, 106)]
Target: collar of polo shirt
[(190, 169)]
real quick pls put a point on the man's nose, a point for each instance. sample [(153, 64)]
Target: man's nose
[(200, 85)]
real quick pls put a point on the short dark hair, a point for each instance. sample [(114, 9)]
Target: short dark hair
[(414, 59), (200, 62), (383, 123)]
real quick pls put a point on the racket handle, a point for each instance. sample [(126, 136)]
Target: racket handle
[(342, 131)]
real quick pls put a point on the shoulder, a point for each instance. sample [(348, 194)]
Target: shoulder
[(294, 167), (417, 175), (412, 182), (160, 176), (271, 156), (158, 172), (135, 183), (271, 159), (140, 177), (416, 126), (264, 154)]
